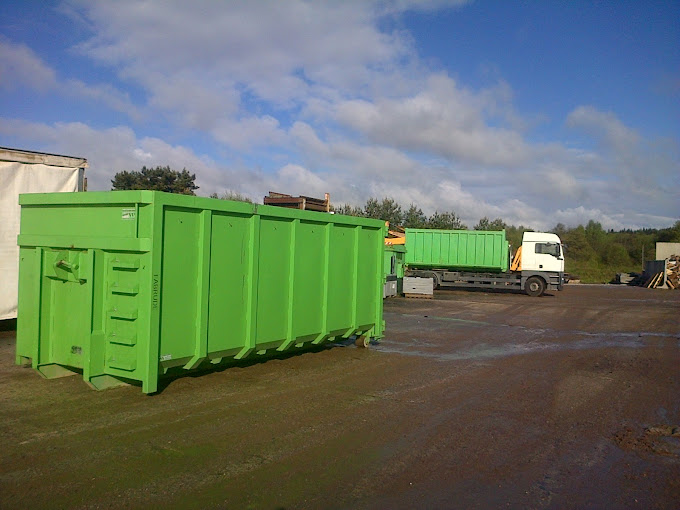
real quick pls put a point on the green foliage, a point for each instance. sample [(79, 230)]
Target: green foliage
[(596, 236), (560, 230), (232, 195), (161, 178), (415, 218), (595, 255), (670, 235), (577, 246), (387, 209), (615, 254), (485, 224), (445, 221), (514, 234), (348, 210)]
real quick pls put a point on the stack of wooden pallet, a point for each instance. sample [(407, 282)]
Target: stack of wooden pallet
[(673, 271), (668, 278), (301, 202)]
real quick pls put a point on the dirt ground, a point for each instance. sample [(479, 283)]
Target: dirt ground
[(472, 400)]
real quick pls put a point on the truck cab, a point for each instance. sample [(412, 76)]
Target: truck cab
[(542, 262)]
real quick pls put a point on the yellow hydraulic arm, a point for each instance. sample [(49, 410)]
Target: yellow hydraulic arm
[(396, 237), (517, 260)]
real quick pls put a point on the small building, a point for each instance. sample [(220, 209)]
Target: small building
[(27, 172), (666, 250)]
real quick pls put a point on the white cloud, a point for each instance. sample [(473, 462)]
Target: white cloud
[(630, 171), (308, 97), (103, 94), (441, 119), (350, 172), (21, 67), (249, 132), (111, 150), (604, 127), (259, 44)]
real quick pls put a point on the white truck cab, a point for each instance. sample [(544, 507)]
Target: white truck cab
[(542, 262)]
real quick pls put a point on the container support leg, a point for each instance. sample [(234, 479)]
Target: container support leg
[(54, 371), (103, 382)]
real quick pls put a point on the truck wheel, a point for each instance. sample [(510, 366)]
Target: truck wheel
[(535, 286), (435, 281)]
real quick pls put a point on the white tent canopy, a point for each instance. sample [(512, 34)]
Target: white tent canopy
[(27, 172)]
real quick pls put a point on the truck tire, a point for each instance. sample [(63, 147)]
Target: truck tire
[(535, 286)]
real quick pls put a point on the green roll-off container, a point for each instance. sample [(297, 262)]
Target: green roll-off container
[(457, 250), (125, 285)]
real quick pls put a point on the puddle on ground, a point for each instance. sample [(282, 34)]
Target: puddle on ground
[(529, 341)]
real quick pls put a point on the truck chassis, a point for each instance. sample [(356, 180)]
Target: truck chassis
[(534, 283)]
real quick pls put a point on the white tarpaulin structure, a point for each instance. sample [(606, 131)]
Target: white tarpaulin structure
[(27, 172)]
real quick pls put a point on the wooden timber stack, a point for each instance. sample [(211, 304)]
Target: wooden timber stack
[(668, 278), (301, 202), (673, 271)]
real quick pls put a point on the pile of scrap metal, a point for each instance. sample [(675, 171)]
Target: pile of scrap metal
[(631, 279), (301, 202)]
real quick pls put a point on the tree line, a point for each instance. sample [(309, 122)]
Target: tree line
[(592, 253)]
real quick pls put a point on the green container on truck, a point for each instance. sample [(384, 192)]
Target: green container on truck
[(123, 286), (482, 259), (468, 250)]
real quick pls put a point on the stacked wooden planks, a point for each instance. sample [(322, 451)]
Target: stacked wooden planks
[(673, 271), (668, 278), (301, 202)]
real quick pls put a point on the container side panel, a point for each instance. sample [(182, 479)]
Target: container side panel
[(455, 249), (110, 220), (370, 255), (426, 247), (30, 276), (471, 253), (179, 283), (70, 331), (461, 250), (340, 276), (144, 220), (437, 253), (308, 285), (67, 293), (273, 282), (442, 254), (228, 282)]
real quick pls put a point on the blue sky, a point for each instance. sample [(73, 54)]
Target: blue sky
[(535, 112)]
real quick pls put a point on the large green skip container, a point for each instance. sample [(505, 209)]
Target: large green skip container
[(457, 250), (125, 285)]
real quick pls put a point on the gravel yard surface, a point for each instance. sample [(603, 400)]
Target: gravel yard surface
[(472, 400)]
